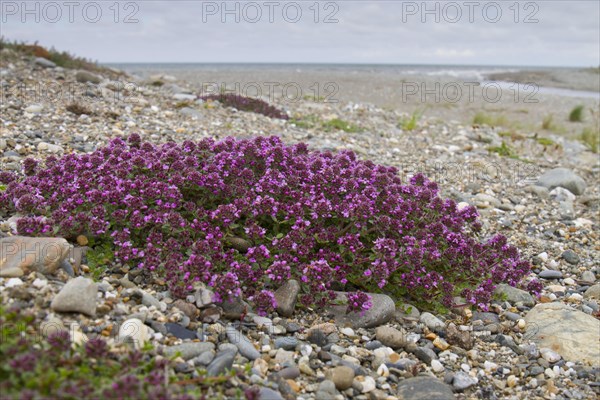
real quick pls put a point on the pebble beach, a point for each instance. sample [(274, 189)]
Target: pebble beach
[(537, 187)]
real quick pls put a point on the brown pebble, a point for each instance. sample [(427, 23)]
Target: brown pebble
[(82, 240)]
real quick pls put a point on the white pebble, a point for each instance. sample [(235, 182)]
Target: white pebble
[(462, 205), (306, 350), (553, 264), (569, 281), (383, 370), (521, 324), (347, 331), (465, 367), (549, 373), (575, 297), (543, 256), (490, 366), (12, 282), (512, 381), (368, 384), (437, 366), (39, 283), (533, 383)]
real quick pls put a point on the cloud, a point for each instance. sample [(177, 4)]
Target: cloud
[(566, 33), (454, 53)]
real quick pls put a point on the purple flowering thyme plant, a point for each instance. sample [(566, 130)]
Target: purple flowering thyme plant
[(244, 216)]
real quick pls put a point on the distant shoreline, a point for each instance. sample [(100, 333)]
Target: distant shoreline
[(571, 78)]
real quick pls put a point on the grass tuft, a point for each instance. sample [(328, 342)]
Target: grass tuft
[(576, 114)]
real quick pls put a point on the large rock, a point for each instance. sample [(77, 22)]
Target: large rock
[(562, 177), (85, 76), (44, 62), (382, 311), (286, 297), (78, 295), (571, 333), (19, 255), (514, 295), (424, 388)]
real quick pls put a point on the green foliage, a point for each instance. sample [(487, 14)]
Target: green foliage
[(410, 123), (548, 122), (503, 150), (34, 367), (576, 114), (340, 125), (482, 118), (99, 258), (183, 104), (305, 122), (591, 138), (545, 141), (313, 122), (60, 58)]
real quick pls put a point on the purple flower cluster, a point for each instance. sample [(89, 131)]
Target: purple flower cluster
[(250, 104), (329, 221)]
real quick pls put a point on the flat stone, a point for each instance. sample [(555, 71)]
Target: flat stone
[(286, 343), (424, 354), (78, 295), (190, 350), (424, 388), (270, 394), (571, 333), (222, 362), (44, 255), (391, 337), (179, 331), (382, 311), (571, 257), (44, 62), (463, 381), (550, 274), (562, 177), (86, 76), (244, 345), (289, 373), (286, 297), (514, 295), (204, 359), (431, 321), (486, 317)]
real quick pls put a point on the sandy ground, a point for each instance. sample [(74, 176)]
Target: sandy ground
[(520, 107)]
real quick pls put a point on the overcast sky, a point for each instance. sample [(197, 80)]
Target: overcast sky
[(546, 33)]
